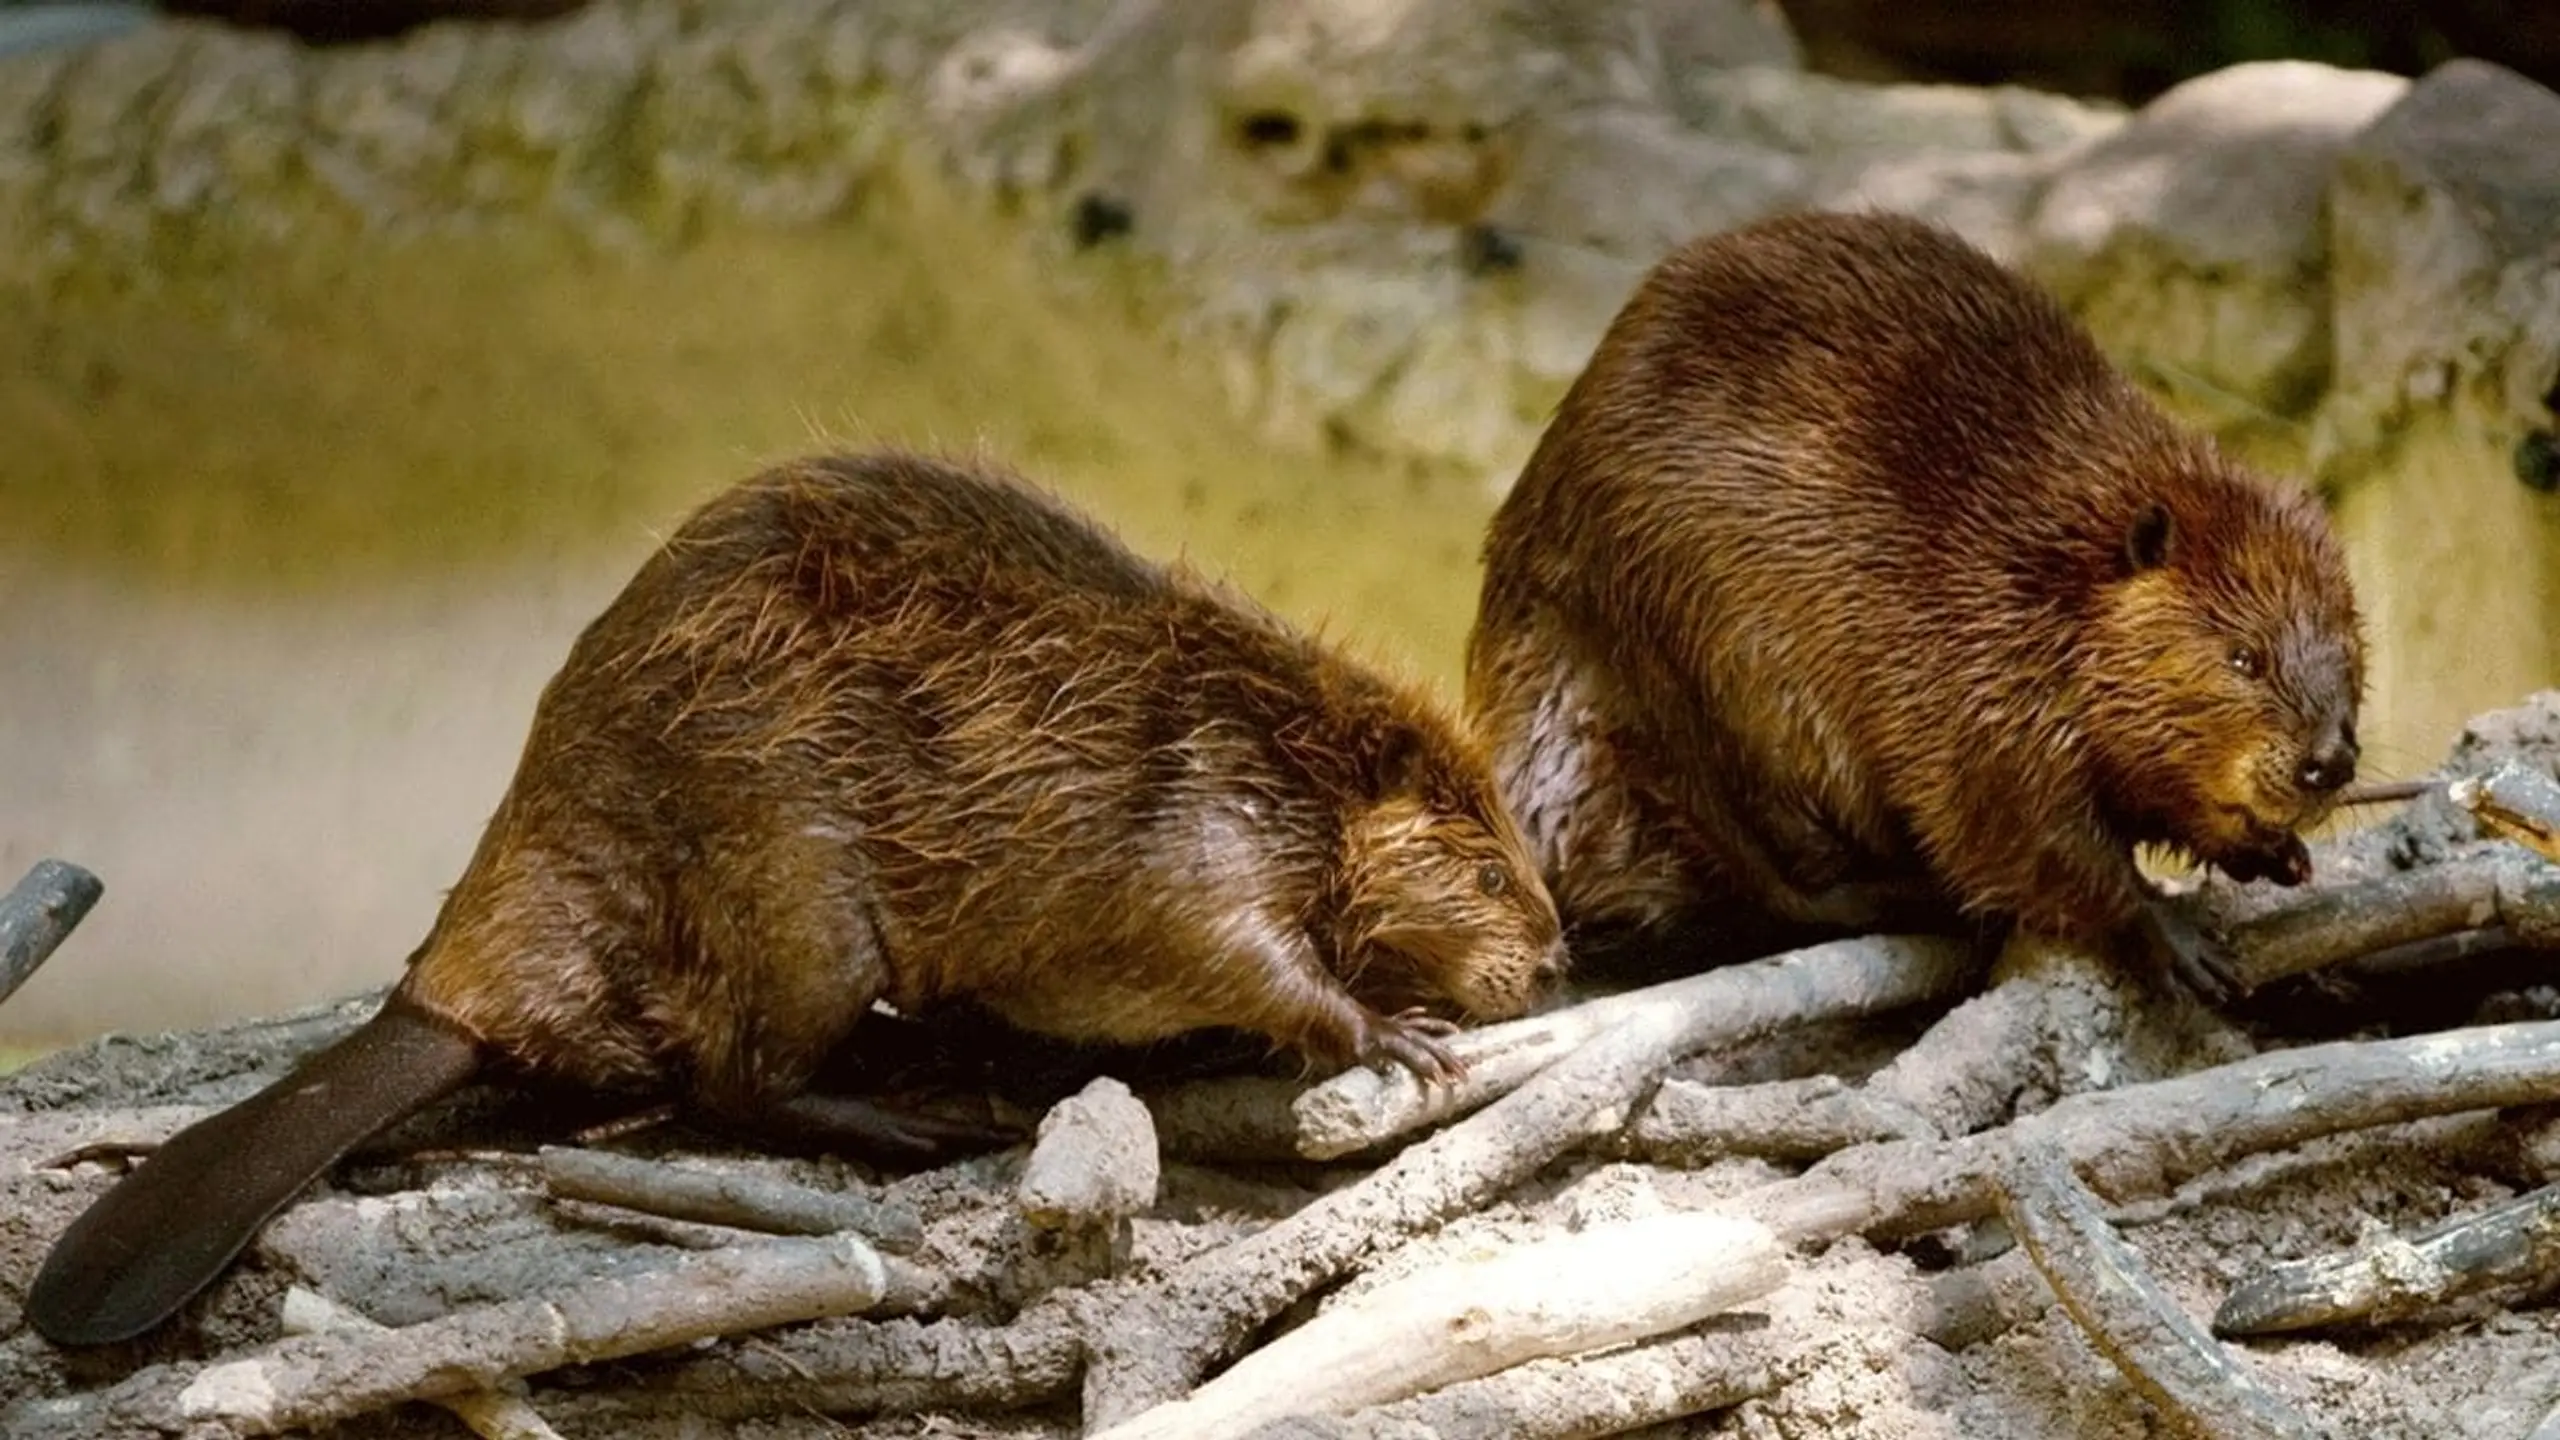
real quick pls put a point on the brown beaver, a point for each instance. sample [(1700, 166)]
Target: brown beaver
[(1851, 586), (886, 727)]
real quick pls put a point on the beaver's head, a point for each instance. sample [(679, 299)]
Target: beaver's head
[(1440, 899), (2223, 667)]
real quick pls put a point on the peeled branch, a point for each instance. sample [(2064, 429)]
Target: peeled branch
[(491, 1414), (1364, 1107), (1603, 1287)]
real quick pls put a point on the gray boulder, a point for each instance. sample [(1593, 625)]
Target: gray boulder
[(2192, 239), (2438, 435)]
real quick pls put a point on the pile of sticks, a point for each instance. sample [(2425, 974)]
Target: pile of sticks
[(819, 1300)]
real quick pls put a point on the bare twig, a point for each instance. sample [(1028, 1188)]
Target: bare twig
[(493, 1414), (1159, 1345), (725, 1196), (2517, 801), (2387, 792), (2392, 1277), (2106, 1290), (35, 916), (1686, 1123), (316, 1380), (1364, 1107), (1455, 1322)]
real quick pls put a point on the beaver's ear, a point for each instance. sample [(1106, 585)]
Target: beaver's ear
[(2148, 541), (1398, 756)]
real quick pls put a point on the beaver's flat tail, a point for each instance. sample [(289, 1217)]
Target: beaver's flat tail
[(169, 1228)]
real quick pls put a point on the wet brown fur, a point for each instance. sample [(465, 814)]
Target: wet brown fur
[(885, 727), (1849, 571)]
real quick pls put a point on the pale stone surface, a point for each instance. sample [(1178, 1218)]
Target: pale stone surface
[(2193, 238), (2445, 231)]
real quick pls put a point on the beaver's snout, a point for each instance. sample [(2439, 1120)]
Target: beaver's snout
[(2329, 762)]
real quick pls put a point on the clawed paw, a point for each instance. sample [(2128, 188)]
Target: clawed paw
[(2196, 959), (1413, 1038), (2286, 864)]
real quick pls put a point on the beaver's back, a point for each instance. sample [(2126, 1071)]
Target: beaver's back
[(1011, 728), (1846, 474)]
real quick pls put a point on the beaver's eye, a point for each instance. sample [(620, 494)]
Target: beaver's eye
[(2244, 661), (1490, 879)]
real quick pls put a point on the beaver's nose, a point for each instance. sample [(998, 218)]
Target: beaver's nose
[(1549, 976), (2331, 763)]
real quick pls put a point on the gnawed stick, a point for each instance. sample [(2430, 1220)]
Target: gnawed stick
[(1164, 1337), (855, 1367), (1364, 1107), (38, 913), (315, 1380), (727, 1196), (2147, 1139), (2391, 1277), (1094, 1163), (491, 1414), (2107, 1291), (2330, 925), (1605, 1286), (1686, 1123)]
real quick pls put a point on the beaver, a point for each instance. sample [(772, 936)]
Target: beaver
[(1851, 587), (882, 726)]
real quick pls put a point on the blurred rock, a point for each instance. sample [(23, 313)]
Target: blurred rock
[(1398, 226), (2193, 239), (2439, 432)]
